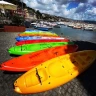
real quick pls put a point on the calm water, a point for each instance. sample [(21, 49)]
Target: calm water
[(76, 34)]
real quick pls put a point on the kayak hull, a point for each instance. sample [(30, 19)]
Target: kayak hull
[(21, 38), (28, 61), (47, 34), (54, 72), (28, 48)]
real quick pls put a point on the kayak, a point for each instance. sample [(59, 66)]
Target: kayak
[(29, 61), (47, 34), (40, 32), (40, 41), (28, 48), (31, 31), (54, 72), (21, 38)]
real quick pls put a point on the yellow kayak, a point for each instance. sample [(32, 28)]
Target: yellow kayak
[(54, 72), (38, 34)]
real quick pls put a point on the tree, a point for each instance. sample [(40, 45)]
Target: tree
[(18, 20), (38, 14)]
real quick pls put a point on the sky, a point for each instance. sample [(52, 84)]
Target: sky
[(73, 9)]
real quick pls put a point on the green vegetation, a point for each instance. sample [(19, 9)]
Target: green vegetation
[(18, 20)]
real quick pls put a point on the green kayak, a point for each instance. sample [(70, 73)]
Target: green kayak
[(28, 48)]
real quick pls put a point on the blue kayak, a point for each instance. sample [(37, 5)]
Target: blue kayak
[(32, 30), (22, 38)]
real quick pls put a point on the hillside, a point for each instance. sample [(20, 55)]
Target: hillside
[(44, 16), (37, 13)]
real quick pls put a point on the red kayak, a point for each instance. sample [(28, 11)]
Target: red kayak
[(37, 41), (28, 61)]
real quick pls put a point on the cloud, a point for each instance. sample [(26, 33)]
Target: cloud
[(32, 4), (59, 8), (92, 2), (68, 1), (44, 2), (81, 8), (92, 11)]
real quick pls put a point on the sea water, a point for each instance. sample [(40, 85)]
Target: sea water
[(75, 34)]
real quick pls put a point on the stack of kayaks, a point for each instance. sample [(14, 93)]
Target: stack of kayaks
[(38, 35), (37, 43), (49, 63)]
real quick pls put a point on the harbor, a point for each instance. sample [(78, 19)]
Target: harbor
[(72, 24)]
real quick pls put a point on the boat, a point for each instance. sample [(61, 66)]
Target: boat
[(21, 38), (54, 72), (28, 48), (47, 34), (57, 26), (42, 28), (29, 61), (40, 41)]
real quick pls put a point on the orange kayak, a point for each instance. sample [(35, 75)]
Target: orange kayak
[(28, 61), (54, 72)]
